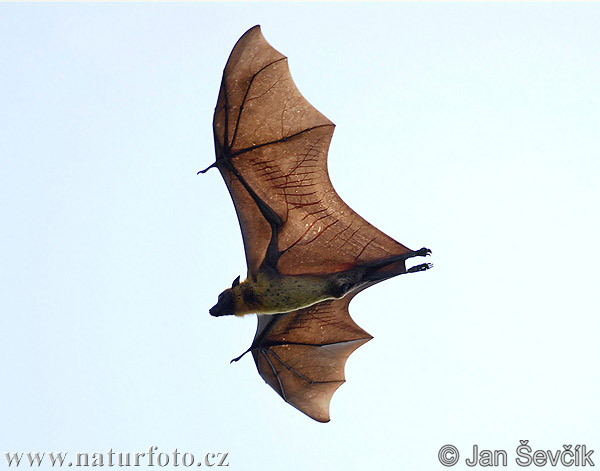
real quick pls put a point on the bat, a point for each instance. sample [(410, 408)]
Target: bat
[(308, 254)]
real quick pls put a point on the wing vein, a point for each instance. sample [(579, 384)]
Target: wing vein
[(277, 141), (282, 392), (300, 375)]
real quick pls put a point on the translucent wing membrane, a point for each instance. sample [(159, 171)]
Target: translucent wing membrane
[(278, 142), (302, 355)]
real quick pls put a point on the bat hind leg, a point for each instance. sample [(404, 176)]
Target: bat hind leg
[(378, 271)]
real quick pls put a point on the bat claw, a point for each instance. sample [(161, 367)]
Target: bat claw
[(238, 358), (423, 252), (422, 267), (207, 168)]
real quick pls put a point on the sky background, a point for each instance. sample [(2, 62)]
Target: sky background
[(472, 129)]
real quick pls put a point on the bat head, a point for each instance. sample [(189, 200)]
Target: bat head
[(225, 304)]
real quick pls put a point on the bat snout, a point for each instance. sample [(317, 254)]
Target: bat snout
[(225, 306), (217, 311)]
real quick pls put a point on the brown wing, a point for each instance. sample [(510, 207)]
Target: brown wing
[(302, 355), (278, 143)]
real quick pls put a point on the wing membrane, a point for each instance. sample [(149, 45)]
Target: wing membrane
[(278, 142), (302, 355)]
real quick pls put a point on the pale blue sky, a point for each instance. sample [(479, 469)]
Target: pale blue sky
[(472, 129)]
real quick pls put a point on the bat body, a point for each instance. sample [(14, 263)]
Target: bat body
[(268, 292), (272, 294), (308, 253)]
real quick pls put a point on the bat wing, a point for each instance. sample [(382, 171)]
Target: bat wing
[(271, 147), (302, 354)]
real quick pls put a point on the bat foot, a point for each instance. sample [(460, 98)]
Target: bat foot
[(422, 267), (423, 252)]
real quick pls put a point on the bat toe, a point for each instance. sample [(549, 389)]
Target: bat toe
[(422, 267), (423, 252)]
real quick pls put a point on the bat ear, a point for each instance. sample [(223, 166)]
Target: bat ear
[(235, 282)]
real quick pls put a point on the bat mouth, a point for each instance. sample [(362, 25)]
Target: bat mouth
[(217, 311)]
